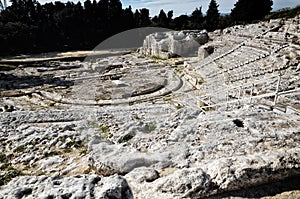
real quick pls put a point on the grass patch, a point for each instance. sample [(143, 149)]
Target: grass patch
[(200, 80), (38, 64), (87, 171), (93, 124), (179, 69), (149, 127), (67, 150), (62, 139), (3, 157), (20, 149), (168, 99), (103, 129), (52, 153), (41, 173), (201, 103), (50, 103), (83, 152), (178, 106), (7, 177), (9, 172)]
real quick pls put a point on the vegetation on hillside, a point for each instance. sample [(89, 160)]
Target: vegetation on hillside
[(284, 13), (26, 26)]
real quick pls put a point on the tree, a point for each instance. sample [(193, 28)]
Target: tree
[(137, 18), (102, 9), (128, 21), (154, 20), (114, 15), (26, 26), (225, 21), (248, 11), (212, 16), (115, 9), (144, 17), (170, 19), (170, 16), (197, 19), (181, 22), (162, 19)]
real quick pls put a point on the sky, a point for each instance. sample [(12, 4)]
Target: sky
[(188, 6)]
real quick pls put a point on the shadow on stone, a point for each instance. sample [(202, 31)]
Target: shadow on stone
[(11, 82), (269, 189)]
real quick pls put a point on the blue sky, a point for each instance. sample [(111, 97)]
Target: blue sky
[(187, 6)]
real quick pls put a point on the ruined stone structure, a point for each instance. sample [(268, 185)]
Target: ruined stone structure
[(132, 126), (172, 44)]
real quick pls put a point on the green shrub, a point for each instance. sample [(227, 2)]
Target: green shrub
[(20, 149), (3, 158), (52, 153)]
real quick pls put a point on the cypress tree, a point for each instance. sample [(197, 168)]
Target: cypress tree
[(197, 19), (212, 16), (162, 19)]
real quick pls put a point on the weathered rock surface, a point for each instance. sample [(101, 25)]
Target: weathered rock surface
[(81, 186), (204, 51), (113, 187), (243, 171), (107, 158), (169, 44), (184, 183)]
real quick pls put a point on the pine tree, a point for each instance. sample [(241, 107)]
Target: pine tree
[(212, 16)]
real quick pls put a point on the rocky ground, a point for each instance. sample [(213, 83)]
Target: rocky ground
[(224, 124)]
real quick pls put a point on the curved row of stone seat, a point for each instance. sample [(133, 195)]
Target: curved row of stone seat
[(265, 49), (220, 56), (252, 73), (257, 58), (256, 63), (246, 72), (236, 57), (229, 86), (264, 86)]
